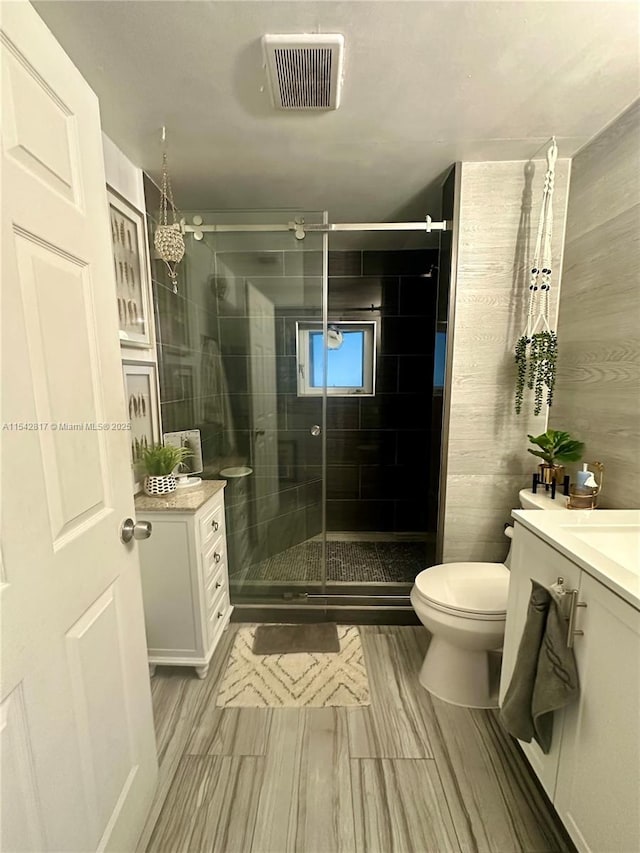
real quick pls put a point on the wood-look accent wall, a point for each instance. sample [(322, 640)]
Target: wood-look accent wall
[(598, 385), (487, 463)]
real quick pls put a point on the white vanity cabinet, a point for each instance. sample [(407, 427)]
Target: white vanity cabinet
[(592, 772), (185, 584), (598, 787), (531, 558)]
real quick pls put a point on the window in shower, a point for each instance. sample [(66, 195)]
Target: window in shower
[(350, 359)]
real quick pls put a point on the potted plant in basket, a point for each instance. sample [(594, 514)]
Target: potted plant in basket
[(555, 448), (159, 462)]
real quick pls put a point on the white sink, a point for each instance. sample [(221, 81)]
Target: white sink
[(604, 542), (618, 542)]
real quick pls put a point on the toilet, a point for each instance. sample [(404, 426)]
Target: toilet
[(464, 608)]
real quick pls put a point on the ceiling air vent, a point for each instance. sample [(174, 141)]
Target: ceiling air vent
[(305, 71)]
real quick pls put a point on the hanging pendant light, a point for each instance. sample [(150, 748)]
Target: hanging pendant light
[(168, 239)]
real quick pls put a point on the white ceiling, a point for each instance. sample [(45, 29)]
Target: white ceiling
[(426, 83)]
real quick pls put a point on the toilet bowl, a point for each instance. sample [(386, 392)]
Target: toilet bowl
[(464, 608)]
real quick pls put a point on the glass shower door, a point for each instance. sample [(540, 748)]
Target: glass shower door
[(316, 381), (268, 288)]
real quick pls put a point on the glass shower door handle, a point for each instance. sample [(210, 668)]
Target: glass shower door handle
[(315, 429)]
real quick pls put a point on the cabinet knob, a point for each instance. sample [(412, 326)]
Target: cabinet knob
[(216, 557), (220, 614), (215, 524), (218, 584)]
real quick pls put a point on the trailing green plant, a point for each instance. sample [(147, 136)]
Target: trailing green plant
[(161, 459), (521, 366), (536, 368), (556, 447)]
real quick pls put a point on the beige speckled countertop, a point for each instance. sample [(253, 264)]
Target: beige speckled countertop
[(182, 500)]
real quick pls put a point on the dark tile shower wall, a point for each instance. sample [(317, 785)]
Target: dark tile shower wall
[(186, 328), (379, 449)]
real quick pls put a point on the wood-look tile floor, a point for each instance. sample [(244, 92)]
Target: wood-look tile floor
[(408, 773)]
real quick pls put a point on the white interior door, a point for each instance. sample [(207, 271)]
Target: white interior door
[(264, 401), (77, 743)]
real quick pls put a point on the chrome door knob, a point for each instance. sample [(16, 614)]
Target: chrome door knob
[(315, 429), (135, 530), (142, 529)]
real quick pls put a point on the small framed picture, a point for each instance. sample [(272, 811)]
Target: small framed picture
[(141, 399), (131, 266)]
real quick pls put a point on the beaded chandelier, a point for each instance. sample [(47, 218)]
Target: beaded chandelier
[(168, 239)]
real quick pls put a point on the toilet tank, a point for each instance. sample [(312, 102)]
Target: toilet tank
[(541, 500)]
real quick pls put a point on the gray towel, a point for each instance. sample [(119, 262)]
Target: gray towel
[(545, 677), (215, 394)]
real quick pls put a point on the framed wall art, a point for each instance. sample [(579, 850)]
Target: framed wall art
[(131, 266), (141, 400)]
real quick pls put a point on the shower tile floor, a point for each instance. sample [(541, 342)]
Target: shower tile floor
[(347, 562)]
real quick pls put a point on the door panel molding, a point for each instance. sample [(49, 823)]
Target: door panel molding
[(24, 811), (101, 709), (59, 319), (40, 131)]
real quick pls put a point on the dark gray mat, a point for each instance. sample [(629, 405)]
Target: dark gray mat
[(293, 639)]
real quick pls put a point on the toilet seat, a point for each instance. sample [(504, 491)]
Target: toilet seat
[(466, 590)]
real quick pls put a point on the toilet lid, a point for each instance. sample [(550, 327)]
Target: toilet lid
[(469, 587)]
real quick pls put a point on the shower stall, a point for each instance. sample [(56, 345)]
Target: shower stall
[(314, 372)]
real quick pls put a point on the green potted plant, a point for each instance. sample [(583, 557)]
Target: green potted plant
[(159, 462), (555, 448)]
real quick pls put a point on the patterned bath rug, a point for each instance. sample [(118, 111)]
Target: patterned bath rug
[(306, 679)]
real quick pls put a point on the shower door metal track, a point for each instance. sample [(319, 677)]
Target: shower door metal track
[(301, 228)]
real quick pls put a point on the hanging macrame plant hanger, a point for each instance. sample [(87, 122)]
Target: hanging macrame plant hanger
[(536, 350), (168, 239)]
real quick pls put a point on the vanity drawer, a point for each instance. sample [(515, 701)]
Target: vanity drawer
[(212, 524), (213, 587), (214, 558), (216, 616)]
